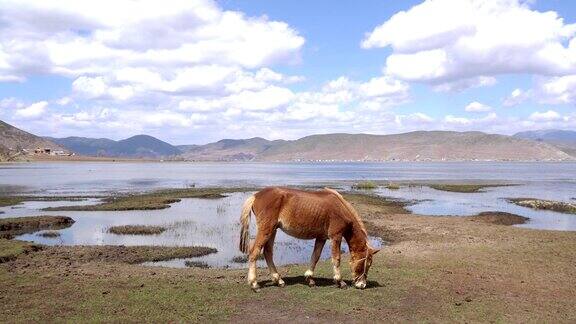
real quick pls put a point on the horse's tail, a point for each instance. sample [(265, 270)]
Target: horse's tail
[(245, 223)]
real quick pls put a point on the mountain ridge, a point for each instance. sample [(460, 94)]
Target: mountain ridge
[(565, 140), (138, 146), (411, 146)]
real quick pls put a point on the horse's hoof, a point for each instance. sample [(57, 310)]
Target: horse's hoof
[(281, 283), (311, 282), (341, 285), (255, 287)]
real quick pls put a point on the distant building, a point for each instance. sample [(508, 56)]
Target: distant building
[(43, 150)]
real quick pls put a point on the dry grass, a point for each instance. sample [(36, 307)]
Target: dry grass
[(10, 227), (557, 206), (136, 230), (152, 201)]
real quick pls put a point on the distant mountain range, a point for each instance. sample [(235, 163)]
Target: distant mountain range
[(139, 146), (229, 150), (550, 145), (563, 139)]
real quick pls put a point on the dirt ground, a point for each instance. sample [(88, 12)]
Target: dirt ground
[(435, 269)]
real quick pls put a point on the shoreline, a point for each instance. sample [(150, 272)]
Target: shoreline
[(81, 159)]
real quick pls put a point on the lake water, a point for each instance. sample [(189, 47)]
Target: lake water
[(214, 223)]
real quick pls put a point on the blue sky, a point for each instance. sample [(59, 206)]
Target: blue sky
[(199, 71)]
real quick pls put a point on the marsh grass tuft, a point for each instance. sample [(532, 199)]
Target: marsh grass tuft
[(49, 234), (196, 264), (365, 185), (136, 230), (392, 186), (244, 258)]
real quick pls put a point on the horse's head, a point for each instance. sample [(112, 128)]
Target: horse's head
[(360, 264)]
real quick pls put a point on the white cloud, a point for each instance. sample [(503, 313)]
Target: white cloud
[(547, 116), (557, 90), (35, 110), (477, 107), (447, 41), (461, 85), (79, 37), (517, 97)]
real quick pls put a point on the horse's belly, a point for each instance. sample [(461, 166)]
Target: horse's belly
[(304, 234)]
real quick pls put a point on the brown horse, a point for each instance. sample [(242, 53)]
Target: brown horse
[(319, 215)]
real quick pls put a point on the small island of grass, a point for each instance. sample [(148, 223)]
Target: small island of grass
[(540, 204), (136, 230), (365, 185), (49, 234), (465, 188), (10, 227)]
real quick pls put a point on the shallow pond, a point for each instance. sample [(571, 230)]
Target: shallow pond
[(428, 201), (191, 222)]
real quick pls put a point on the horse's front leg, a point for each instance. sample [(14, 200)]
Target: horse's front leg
[(336, 253), (318, 246)]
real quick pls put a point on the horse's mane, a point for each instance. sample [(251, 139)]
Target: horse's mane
[(351, 210)]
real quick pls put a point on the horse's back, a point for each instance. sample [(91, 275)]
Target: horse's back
[(302, 214)]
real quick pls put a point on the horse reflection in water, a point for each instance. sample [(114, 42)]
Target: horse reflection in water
[(318, 215)]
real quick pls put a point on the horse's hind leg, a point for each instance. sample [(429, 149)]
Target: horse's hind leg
[(318, 246), (261, 238), (269, 256)]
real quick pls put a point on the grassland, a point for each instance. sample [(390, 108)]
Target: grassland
[(136, 230), (557, 206), (435, 269)]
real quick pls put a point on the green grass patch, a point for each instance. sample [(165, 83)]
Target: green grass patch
[(365, 185), (10, 201), (10, 250)]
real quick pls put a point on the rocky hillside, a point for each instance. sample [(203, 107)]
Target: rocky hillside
[(14, 140)]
